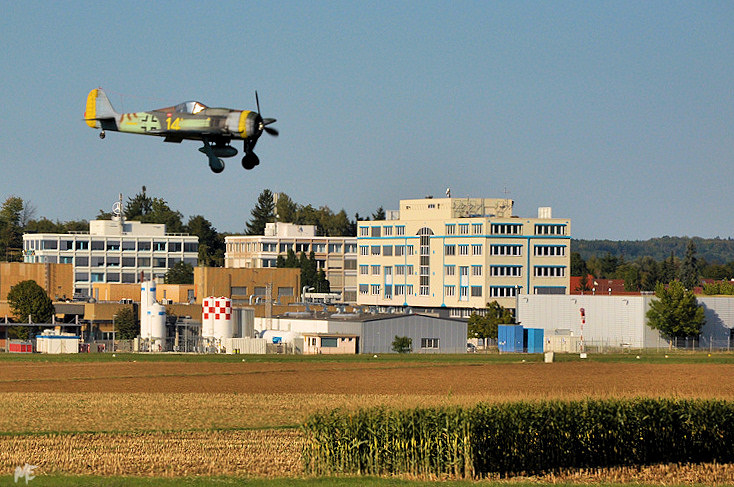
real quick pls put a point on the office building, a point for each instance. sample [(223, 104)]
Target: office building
[(455, 255)]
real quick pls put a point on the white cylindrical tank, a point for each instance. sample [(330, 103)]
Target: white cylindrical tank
[(216, 318), (223, 318), (207, 317), (157, 317), (147, 299)]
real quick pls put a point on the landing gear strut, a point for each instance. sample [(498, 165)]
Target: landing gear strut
[(215, 163), (102, 135)]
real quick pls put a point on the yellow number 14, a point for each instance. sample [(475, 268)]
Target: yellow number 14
[(175, 125)]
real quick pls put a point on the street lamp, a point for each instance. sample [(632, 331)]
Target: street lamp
[(113, 332)]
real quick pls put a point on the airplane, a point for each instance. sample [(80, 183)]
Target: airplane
[(190, 120)]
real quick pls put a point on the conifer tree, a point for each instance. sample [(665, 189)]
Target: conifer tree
[(264, 212)]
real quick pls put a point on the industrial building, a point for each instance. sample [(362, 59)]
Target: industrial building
[(617, 322), (357, 332), (113, 251), (336, 256), (452, 256)]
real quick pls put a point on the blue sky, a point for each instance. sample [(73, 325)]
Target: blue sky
[(618, 115)]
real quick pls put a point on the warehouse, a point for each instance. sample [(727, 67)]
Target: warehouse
[(373, 333), (619, 321)]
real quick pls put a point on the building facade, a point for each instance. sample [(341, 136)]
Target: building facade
[(113, 251), (336, 256), (455, 255)]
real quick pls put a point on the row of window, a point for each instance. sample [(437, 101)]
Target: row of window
[(382, 231), (464, 249), (113, 261), (470, 229), (450, 290), (386, 250), (112, 245), (476, 270)]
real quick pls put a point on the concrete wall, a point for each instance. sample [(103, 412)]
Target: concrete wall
[(377, 336), (56, 279)]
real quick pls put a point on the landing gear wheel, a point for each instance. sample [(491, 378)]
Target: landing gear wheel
[(250, 160), (102, 135), (216, 165)]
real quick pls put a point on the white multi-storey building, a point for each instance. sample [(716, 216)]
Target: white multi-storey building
[(455, 255), (336, 256), (113, 251)]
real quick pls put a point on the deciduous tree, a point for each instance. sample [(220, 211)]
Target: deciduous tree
[(675, 311)]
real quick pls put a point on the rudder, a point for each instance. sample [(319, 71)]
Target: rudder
[(98, 108)]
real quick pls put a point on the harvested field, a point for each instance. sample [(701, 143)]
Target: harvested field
[(193, 418), (570, 380)]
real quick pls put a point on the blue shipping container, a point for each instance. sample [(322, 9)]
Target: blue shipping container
[(510, 338), (533, 340)]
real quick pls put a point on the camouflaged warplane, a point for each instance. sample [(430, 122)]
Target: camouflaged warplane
[(190, 120)]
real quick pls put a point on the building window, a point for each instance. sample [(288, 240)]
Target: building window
[(144, 246), (500, 249), (409, 269), (400, 230), (364, 250), (399, 270), (335, 248), (409, 289), (506, 229), (549, 251), (425, 291), (463, 229), (388, 291), (410, 250), (82, 261), (399, 250), (364, 289), (364, 231), (476, 291), (449, 249), (375, 250), (505, 271), (502, 291), (463, 249), (463, 292), (376, 231), (450, 229), (450, 270), (399, 290), (350, 248), (388, 270), (364, 269), (449, 291), (476, 270), (429, 342), (549, 271), (387, 250), (476, 249), (387, 231), (549, 290), (550, 229), (464, 270), (476, 228), (350, 264), (375, 270), (375, 289), (143, 261)]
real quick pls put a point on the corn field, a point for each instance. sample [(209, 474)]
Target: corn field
[(519, 438)]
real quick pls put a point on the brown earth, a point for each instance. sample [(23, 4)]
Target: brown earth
[(568, 380)]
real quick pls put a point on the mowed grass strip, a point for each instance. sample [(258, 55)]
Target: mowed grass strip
[(262, 453)]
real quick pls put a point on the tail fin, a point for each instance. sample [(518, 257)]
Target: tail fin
[(98, 108)]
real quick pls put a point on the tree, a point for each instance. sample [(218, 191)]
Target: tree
[(583, 286), (402, 344), (11, 232), (485, 326), (180, 273), (688, 271), (578, 265), (126, 323), (286, 209), (138, 206), (264, 212), (675, 312), (211, 243), (379, 214), (27, 298)]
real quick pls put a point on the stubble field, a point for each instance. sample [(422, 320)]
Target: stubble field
[(132, 417)]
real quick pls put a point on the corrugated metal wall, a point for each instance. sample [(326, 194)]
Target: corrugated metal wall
[(378, 335)]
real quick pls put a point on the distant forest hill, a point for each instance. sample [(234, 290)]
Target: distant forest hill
[(712, 250)]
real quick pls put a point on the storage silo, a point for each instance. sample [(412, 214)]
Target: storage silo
[(157, 323), (216, 318), (147, 299)]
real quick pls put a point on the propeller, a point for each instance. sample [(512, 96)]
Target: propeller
[(266, 121)]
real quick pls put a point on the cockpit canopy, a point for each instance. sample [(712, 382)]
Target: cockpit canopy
[(192, 107)]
